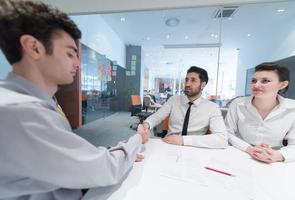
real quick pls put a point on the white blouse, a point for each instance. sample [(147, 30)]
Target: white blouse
[(246, 127)]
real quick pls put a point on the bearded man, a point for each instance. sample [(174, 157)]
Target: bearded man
[(193, 120)]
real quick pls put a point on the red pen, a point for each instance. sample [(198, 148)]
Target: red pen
[(218, 171)]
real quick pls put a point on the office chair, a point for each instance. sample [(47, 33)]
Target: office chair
[(136, 110), (148, 103), (165, 127)]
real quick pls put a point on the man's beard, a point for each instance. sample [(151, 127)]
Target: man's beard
[(193, 93)]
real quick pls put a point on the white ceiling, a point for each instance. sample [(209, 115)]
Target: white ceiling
[(253, 17), (107, 6), (197, 25)]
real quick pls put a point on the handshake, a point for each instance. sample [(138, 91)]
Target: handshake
[(144, 131)]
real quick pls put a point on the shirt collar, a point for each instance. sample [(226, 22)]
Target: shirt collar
[(19, 84), (281, 106), (286, 103), (195, 102)]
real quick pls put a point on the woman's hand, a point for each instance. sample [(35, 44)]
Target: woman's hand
[(265, 153)]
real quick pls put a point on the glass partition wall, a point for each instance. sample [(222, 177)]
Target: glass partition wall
[(95, 84), (227, 41)]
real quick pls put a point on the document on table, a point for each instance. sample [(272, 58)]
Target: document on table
[(242, 182), (180, 166)]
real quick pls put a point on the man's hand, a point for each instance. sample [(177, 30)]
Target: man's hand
[(173, 139), (146, 126), (139, 157), (265, 153), (145, 134)]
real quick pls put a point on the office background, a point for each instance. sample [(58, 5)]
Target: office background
[(135, 48)]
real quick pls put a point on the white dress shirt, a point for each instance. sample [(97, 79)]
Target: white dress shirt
[(246, 127), (204, 115), (41, 158)]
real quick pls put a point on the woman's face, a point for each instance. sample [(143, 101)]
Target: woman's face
[(266, 84)]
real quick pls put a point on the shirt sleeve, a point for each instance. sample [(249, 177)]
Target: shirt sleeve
[(45, 151), (231, 122), (289, 151), (218, 137), (161, 114)]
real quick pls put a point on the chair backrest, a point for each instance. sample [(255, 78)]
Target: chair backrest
[(136, 106), (135, 100), (165, 122), (146, 101)]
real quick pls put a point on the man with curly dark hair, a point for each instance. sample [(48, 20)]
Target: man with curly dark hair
[(40, 157)]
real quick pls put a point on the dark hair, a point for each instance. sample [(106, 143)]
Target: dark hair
[(37, 19), (281, 71), (203, 75)]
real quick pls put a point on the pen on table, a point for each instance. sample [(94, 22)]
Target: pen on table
[(219, 171)]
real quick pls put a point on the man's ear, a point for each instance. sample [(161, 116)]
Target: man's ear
[(31, 46), (203, 84)]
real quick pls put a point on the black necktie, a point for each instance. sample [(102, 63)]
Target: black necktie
[(186, 119)]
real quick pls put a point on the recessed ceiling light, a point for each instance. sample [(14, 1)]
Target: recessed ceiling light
[(167, 36), (147, 55), (280, 10), (230, 18), (172, 22), (122, 19), (214, 35), (148, 38), (186, 37), (248, 35)]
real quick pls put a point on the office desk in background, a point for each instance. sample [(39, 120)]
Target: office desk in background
[(177, 172)]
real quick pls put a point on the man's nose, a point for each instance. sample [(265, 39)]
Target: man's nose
[(77, 64)]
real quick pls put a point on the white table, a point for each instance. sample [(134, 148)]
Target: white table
[(177, 172)]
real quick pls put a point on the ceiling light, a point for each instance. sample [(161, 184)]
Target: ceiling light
[(249, 35), (172, 22), (186, 37), (122, 19), (167, 36), (214, 35), (280, 10), (148, 38)]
